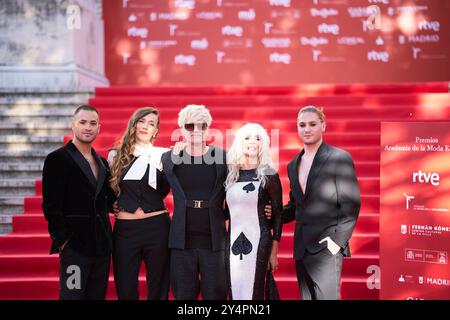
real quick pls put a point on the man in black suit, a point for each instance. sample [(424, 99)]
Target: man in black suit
[(325, 202), (197, 232), (76, 202)]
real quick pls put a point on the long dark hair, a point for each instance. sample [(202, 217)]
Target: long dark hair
[(125, 146)]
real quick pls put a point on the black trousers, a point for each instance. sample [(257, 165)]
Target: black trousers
[(198, 270), (136, 241), (319, 275), (82, 277)]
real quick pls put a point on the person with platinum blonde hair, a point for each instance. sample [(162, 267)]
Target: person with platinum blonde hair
[(198, 230), (251, 185), (194, 112), (236, 156)]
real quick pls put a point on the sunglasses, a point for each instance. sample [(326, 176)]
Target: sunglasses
[(191, 126)]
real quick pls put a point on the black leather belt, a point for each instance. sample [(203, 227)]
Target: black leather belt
[(197, 204)]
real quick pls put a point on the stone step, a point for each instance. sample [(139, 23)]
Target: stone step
[(17, 183), (21, 166), (41, 131), (48, 147), (33, 122), (17, 187), (41, 102), (11, 200), (21, 170), (76, 96), (6, 219), (5, 229), (20, 147), (36, 118), (21, 174), (34, 108), (24, 156), (10, 205), (34, 125), (25, 153), (29, 142), (30, 139), (35, 128), (36, 115)]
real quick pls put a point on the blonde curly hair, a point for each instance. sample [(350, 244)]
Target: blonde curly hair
[(194, 113), (236, 156)]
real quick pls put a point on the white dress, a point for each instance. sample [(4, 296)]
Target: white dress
[(242, 200)]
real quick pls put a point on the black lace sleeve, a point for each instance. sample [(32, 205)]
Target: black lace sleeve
[(276, 197)]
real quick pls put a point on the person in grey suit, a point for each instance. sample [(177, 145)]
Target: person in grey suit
[(324, 200)]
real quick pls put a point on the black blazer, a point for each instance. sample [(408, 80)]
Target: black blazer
[(75, 205), (330, 205), (217, 215)]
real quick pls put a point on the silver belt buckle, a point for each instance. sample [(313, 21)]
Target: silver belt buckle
[(198, 204)]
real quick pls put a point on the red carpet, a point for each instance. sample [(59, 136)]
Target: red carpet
[(354, 113)]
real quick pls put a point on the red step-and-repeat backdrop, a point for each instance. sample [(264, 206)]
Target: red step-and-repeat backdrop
[(275, 42), (415, 210)]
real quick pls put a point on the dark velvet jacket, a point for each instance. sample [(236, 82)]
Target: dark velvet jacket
[(75, 205), (217, 215), (330, 205)]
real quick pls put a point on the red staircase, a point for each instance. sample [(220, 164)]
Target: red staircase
[(354, 113)]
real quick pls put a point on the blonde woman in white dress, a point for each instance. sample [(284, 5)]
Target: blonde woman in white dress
[(251, 184)]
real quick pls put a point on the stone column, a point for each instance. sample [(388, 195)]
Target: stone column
[(53, 44)]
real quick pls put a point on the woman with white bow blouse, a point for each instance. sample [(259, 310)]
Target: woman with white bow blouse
[(142, 222)]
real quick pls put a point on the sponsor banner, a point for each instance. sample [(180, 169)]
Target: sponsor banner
[(415, 210), (267, 42)]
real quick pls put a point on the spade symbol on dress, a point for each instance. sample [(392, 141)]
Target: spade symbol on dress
[(249, 187), (241, 246)]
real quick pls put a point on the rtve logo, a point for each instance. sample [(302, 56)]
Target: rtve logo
[(422, 177)]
